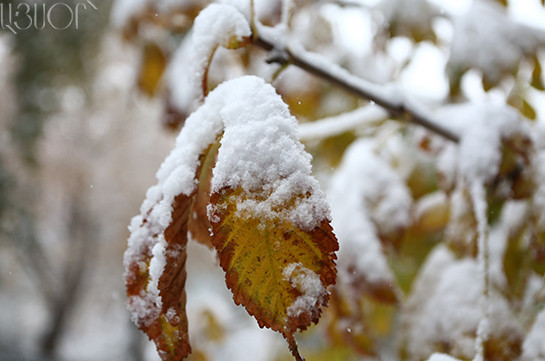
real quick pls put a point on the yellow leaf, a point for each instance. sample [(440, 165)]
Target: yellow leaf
[(537, 77), (279, 272), (527, 110), (151, 69)]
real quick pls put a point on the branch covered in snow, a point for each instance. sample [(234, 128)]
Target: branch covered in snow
[(388, 97)]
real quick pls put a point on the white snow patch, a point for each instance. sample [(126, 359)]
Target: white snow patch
[(533, 347), (445, 307), (144, 308), (442, 357), (260, 152), (481, 127), (331, 126), (538, 198), (310, 286), (216, 25), (157, 265), (366, 196)]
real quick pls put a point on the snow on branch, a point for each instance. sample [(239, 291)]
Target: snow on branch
[(389, 97), (331, 126)]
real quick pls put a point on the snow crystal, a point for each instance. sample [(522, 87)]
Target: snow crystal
[(306, 282), (534, 345), (157, 264), (171, 316), (364, 188), (144, 309)]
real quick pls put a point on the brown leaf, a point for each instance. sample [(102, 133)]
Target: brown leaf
[(173, 117), (199, 225), (165, 324)]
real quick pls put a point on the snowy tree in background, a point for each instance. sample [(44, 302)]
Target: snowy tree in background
[(425, 126)]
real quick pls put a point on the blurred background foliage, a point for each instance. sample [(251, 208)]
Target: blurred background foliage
[(88, 114)]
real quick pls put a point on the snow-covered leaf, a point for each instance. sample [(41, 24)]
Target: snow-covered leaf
[(444, 310), (269, 219), (367, 199), (155, 280), (268, 215), (217, 25)]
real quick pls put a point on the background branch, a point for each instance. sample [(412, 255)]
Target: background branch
[(389, 98)]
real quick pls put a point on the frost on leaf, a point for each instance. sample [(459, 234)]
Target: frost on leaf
[(269, 218)]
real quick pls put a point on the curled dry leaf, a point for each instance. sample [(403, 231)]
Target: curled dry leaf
[(199, 225), (163, 319)]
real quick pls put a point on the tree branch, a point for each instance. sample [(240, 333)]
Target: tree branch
[(387, 97)]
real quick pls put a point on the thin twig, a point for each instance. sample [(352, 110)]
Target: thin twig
[(333, 74)]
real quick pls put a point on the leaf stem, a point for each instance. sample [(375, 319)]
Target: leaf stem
[(395, 103)]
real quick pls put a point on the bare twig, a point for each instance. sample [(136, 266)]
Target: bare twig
[(332, 73)]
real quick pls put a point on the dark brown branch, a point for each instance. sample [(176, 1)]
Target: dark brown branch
[(400, 110)]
